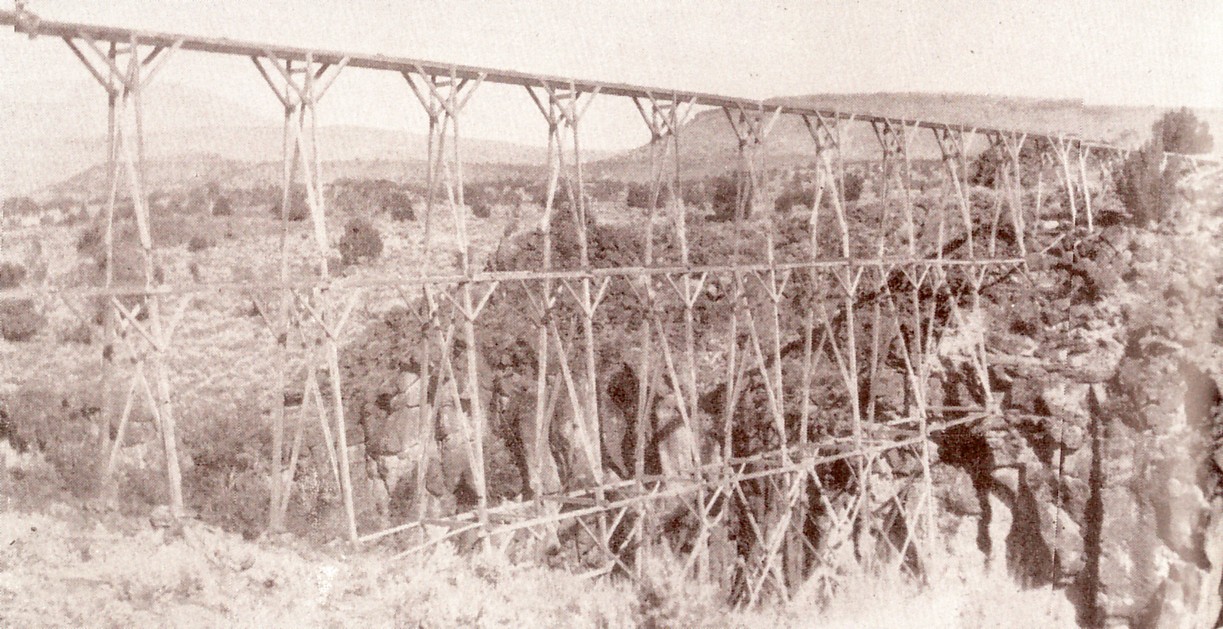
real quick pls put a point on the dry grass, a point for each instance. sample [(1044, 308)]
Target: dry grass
[(57, 572), (960, 594), (61, 568)]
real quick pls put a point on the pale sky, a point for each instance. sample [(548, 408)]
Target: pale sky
[(1134, 52)]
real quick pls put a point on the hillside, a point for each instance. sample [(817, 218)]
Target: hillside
[(241, 148), (194, 154), (708, 142), (189, 170), (50, 136), (52, 130), (1127, 126), (51, 133)]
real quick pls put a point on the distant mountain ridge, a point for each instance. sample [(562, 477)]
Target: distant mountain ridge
[(194, 134), (1118, 124), (200, 169), (709, 147), (52, 134)]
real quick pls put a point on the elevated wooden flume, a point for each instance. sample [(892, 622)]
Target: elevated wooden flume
[(878, 300)]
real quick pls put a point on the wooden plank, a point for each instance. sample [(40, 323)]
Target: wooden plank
[(572, 500)]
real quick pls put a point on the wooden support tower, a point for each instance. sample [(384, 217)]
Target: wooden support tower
[(823, 374)]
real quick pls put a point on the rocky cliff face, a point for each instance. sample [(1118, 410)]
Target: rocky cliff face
[(1104, 475)]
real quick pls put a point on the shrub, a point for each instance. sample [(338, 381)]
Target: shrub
[(299, 207), (694, 194), (79, 332), (200, 242), (195, 202), (639, 195), (19, 206), (89, 242), (793, 195), (724, 196), (666, 598), (11, 275), (168, 230), (478, 199), (19, 319), (222, 206), (227, 484), (162, 200), (480, 208), (854, 182), (399, 206), (561, 200), (604, 190), (127, 263), (361, 241), (58, 425)]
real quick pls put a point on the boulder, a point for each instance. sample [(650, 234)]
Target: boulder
[(1067, 400), (1001, 520), (954, 489)]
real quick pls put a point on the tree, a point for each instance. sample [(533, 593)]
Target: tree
[(1182, 132), (1148, 179), (988, 169)]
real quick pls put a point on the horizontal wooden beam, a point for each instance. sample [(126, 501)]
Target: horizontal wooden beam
[(487, 277), (71, 31), (772, 463)]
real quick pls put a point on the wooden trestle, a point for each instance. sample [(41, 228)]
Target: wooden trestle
[(890, 297)]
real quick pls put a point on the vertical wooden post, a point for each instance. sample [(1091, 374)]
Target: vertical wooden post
[(1084, 154), (1014, 144), (1061, 149), (953, 146), (108, 332), (657, 123), (281, 485), (665, 119), (125, 140), (570, 110), (443, 98), (894, 164), (301, 86)]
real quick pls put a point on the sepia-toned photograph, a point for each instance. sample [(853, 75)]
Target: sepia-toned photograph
[(664, 314)]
